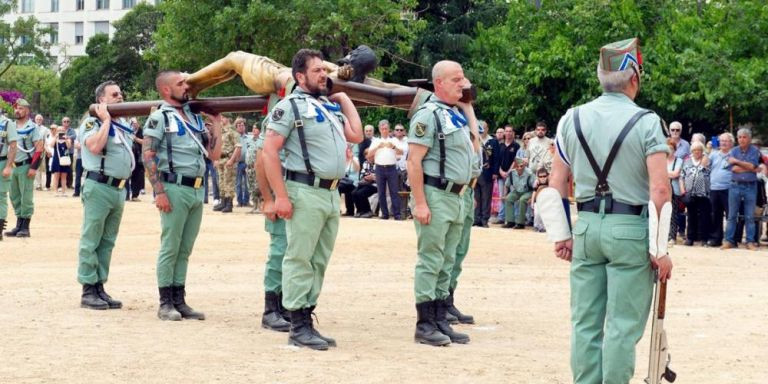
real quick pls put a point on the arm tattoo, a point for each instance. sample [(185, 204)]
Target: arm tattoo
[(212, 143), (150, 147)]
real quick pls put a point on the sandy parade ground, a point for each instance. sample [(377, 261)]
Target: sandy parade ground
[(717, 309)]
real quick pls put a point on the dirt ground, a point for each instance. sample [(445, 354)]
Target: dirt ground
[(513, 285)]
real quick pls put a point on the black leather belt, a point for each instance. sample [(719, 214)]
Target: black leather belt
[(310, 180), (23, 162), (618, 208), (104, 179), (435, 182), (386, 166), (173, 178)]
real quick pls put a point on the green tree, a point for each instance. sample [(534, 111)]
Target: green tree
[(22, 41), (40, 85)]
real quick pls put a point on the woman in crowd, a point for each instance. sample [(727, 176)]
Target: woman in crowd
[(694, 189), (523, 153), (348, 184), (673, 170), (61, 162)]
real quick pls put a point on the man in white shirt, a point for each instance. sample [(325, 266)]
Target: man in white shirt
[(383, 153), (538, 147), (42, 171)]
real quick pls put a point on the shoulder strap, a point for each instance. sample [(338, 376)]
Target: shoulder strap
[(168, 146), (602, 175), (441, 143), (299, 125)]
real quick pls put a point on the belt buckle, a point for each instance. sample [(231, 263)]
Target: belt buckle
[(334, 184), (198, 182), (121, 185)]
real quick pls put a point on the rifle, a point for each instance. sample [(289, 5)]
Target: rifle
[(658, 365)]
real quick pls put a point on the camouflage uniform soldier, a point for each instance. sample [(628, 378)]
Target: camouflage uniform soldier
[(230, 152)]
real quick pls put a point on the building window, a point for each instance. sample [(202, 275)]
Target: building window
[(102, 4), (78, 33), (101, 27), (54, 5), (27, 6), (80, 5), (54, 34), (129, 4)]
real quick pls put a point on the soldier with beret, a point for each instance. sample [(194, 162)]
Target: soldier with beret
[(29, 152), (616, 152)]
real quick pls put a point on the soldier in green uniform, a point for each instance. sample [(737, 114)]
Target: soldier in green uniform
[(440, 161), (314, 130), (226, 166), (8, 140), (251, 147), (453, 314), (275, 316), (107, 157), (175, 144), (29, 153), (611, 271)]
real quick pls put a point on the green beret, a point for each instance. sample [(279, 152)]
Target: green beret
[(22, 103), (621, 55)]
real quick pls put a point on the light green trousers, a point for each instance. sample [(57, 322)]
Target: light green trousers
[(437, 243), (5, 186), (611, 289), (102, 212), (22, 192), (311, 234), (466, 230), (516, 216), (179, 231), (273, 271)]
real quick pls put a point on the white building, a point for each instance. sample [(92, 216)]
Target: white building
[(73, 22)]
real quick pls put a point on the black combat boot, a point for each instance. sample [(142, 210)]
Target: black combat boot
[(12, 232), (426, 328), (272, 319), (454, 312), (90, 298), (283, 312), (24, 229), (113, 304), (445, 327), (331, 342), (166, 310), (301, 331), (2, 228), (181, 306), (219, 206), (227, 208)]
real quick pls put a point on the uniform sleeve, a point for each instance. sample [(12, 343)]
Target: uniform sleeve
[(36, 135), (560, 139), (422, 129), (11, 130), (653, 136), (155, 126), (281, 118), (86, 130)]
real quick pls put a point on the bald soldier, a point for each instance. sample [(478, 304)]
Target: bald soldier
[(441, 156), (314, 131), (29, 152), (8, 140), (176, 143), (616, 152)]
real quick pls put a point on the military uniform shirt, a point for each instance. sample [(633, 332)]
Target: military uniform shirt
[(601, 122), (187, 154), (477, 163), (7, 135), (520, 183), (27, 136), (326, 143), (230, 140), (119, 150), (459, 153)]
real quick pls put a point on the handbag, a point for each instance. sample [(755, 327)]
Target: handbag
[(64, 161)]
